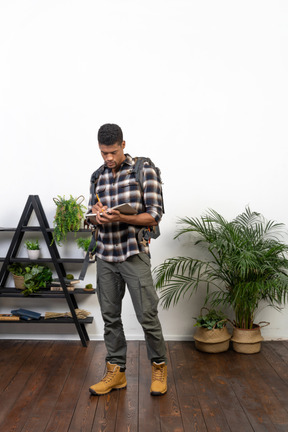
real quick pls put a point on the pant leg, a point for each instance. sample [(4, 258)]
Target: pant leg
[(136, 272), (110, 290)]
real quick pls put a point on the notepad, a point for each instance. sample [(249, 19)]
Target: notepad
[(125, 208)]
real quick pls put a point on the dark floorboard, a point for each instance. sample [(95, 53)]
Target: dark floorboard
[(44, 388)]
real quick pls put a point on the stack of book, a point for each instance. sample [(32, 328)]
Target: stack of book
[(56, 285), (25, 314)]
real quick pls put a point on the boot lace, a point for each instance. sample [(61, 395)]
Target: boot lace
[(158, 374), (108, 376)]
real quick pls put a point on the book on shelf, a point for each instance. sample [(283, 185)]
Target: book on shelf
[(9, 317), (59, 288), (56, 281), (26, 314)]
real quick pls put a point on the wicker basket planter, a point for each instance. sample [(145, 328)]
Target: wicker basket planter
[(19, 282), (212, 341), (247, 341)]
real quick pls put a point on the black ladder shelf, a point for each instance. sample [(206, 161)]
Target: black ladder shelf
[(33, 203)]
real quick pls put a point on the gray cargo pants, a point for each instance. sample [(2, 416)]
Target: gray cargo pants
[(135, 272)]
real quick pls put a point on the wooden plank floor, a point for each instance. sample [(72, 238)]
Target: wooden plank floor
[(44, 387)]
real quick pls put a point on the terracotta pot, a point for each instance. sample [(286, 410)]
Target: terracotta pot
[(212, 341), (247, 341)]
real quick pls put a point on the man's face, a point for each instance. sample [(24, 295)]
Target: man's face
[(113, 155)]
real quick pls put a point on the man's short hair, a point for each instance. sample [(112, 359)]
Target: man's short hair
[(110, 134)]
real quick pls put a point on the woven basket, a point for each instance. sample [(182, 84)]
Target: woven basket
[(212, 341), (19, 282), (247, 341)]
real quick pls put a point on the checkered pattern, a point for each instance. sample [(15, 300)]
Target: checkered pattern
[(117, 241)]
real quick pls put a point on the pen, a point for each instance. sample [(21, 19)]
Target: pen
[(98, 201)]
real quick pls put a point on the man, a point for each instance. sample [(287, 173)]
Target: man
[(123, 258)]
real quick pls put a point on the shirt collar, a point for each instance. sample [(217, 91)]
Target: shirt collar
[(128, 160)]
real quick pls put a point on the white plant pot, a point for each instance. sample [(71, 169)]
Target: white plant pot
[(33, 254)]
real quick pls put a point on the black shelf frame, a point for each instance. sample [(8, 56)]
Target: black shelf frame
[(34, 204)]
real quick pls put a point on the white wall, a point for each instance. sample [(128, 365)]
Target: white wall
[(200, 87)]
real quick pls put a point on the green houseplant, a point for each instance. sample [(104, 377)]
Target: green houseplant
[(69, 214), (33, 248), (32, 245), (246, 265), (33, 277), (83, 243), (17, 270), (211, 333), (36, 277), (212, 320)]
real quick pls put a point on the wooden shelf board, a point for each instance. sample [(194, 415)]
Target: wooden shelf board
[(42, 320), (13, 292)]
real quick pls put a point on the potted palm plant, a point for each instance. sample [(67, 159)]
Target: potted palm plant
[(246, 265), (69, 214)]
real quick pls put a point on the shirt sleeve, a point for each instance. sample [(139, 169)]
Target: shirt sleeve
[(152, 193)]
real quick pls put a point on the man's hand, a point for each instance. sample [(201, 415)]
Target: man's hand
[(104, 216), (98, 207)]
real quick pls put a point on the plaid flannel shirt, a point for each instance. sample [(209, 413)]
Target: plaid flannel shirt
[(117, 241)]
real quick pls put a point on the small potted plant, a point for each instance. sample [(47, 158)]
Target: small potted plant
[(33, 249), (211, 334), (17, 270), (84, 243), (69, 214), (30, 278)]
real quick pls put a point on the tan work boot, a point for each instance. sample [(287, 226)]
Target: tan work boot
[(159, 379), (113, 379)]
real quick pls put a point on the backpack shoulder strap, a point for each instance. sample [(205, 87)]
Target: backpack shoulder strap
[(138, 168), (94, 178), (97, 173)]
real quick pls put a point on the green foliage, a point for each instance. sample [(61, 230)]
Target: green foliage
[(84, 243), (69, 214), (69, 276), (246, 265), (16, 269), (36, 277), (89, 286), (212, 320), (32, 245)]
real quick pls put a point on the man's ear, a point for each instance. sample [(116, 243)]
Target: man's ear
[(123, 144)]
